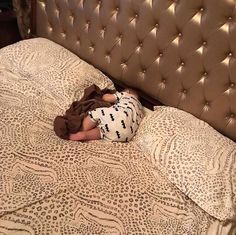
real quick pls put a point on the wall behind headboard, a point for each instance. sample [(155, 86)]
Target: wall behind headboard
[(181, 53)]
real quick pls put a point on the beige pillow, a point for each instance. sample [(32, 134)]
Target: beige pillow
[(196, 158), (52, 68)]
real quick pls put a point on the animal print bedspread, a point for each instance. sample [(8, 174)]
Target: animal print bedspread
[(53, 186)]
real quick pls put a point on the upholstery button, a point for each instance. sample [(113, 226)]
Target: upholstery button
[(204, 43), (232, 115), (207, 103), (136, 16), (140, 44), (205, 74), (182, 63), (184, 91), (201, 9), (230, 54), (43, 4), (163, 80), (117, 9), (230, 18), (156, 25), (232, 85), (99, 2), (144, 70), (180, 34), (160, 54)]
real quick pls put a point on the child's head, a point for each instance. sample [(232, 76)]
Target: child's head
[(132, 92)]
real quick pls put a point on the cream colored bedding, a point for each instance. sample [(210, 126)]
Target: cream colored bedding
[(192, 155), (53, 186)]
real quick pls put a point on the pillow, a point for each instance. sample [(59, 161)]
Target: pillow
[(53, 68), (196, 158)]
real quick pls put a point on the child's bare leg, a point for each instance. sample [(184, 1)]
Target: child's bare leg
[(88, 124), (93, 134)]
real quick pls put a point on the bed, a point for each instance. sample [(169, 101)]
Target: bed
[(178, 174)]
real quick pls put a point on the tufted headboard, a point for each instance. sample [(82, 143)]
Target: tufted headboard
[(181, 52)]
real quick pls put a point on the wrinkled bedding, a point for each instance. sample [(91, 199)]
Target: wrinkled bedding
[(200, 161), (52, 186)]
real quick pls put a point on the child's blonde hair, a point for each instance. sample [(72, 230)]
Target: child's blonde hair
[(131, 91)]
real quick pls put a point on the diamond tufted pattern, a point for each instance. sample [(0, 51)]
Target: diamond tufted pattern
[(182, 53)]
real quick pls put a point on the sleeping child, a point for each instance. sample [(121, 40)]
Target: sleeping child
[(116, 123)]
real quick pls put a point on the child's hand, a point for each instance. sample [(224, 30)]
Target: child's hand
[(109, 98)]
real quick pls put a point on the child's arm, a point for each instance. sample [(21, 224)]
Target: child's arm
[(111, 98)]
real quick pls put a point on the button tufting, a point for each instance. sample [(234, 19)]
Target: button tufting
[(160, 54), (184, 91), (136, 16), (232, 115), (207, 103), (180, 34), (117, 9), (204, 43), (156, 25), (163, 80), (205, 74), (144, 70), (140, 44), (182, 63), (201, 9), (230, 18), (230, 54), (123, 64), (232, 85), (43, 4)]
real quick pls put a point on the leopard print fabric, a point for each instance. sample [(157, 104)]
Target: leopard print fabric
[(52, 186), (196, 158)]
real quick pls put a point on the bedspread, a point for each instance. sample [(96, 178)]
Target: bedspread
[(52, 186)]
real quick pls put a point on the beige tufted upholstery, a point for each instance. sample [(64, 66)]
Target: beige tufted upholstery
[(181, 52)]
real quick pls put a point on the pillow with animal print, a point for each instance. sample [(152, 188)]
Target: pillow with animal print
[(52, 67), (200, 161)]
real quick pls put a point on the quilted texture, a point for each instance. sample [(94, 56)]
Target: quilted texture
[(52, 186), (180, 52), (196, 158)]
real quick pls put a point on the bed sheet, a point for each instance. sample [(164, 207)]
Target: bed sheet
[(53, 186)]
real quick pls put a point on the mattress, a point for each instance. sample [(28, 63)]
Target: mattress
[(53, 186)]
